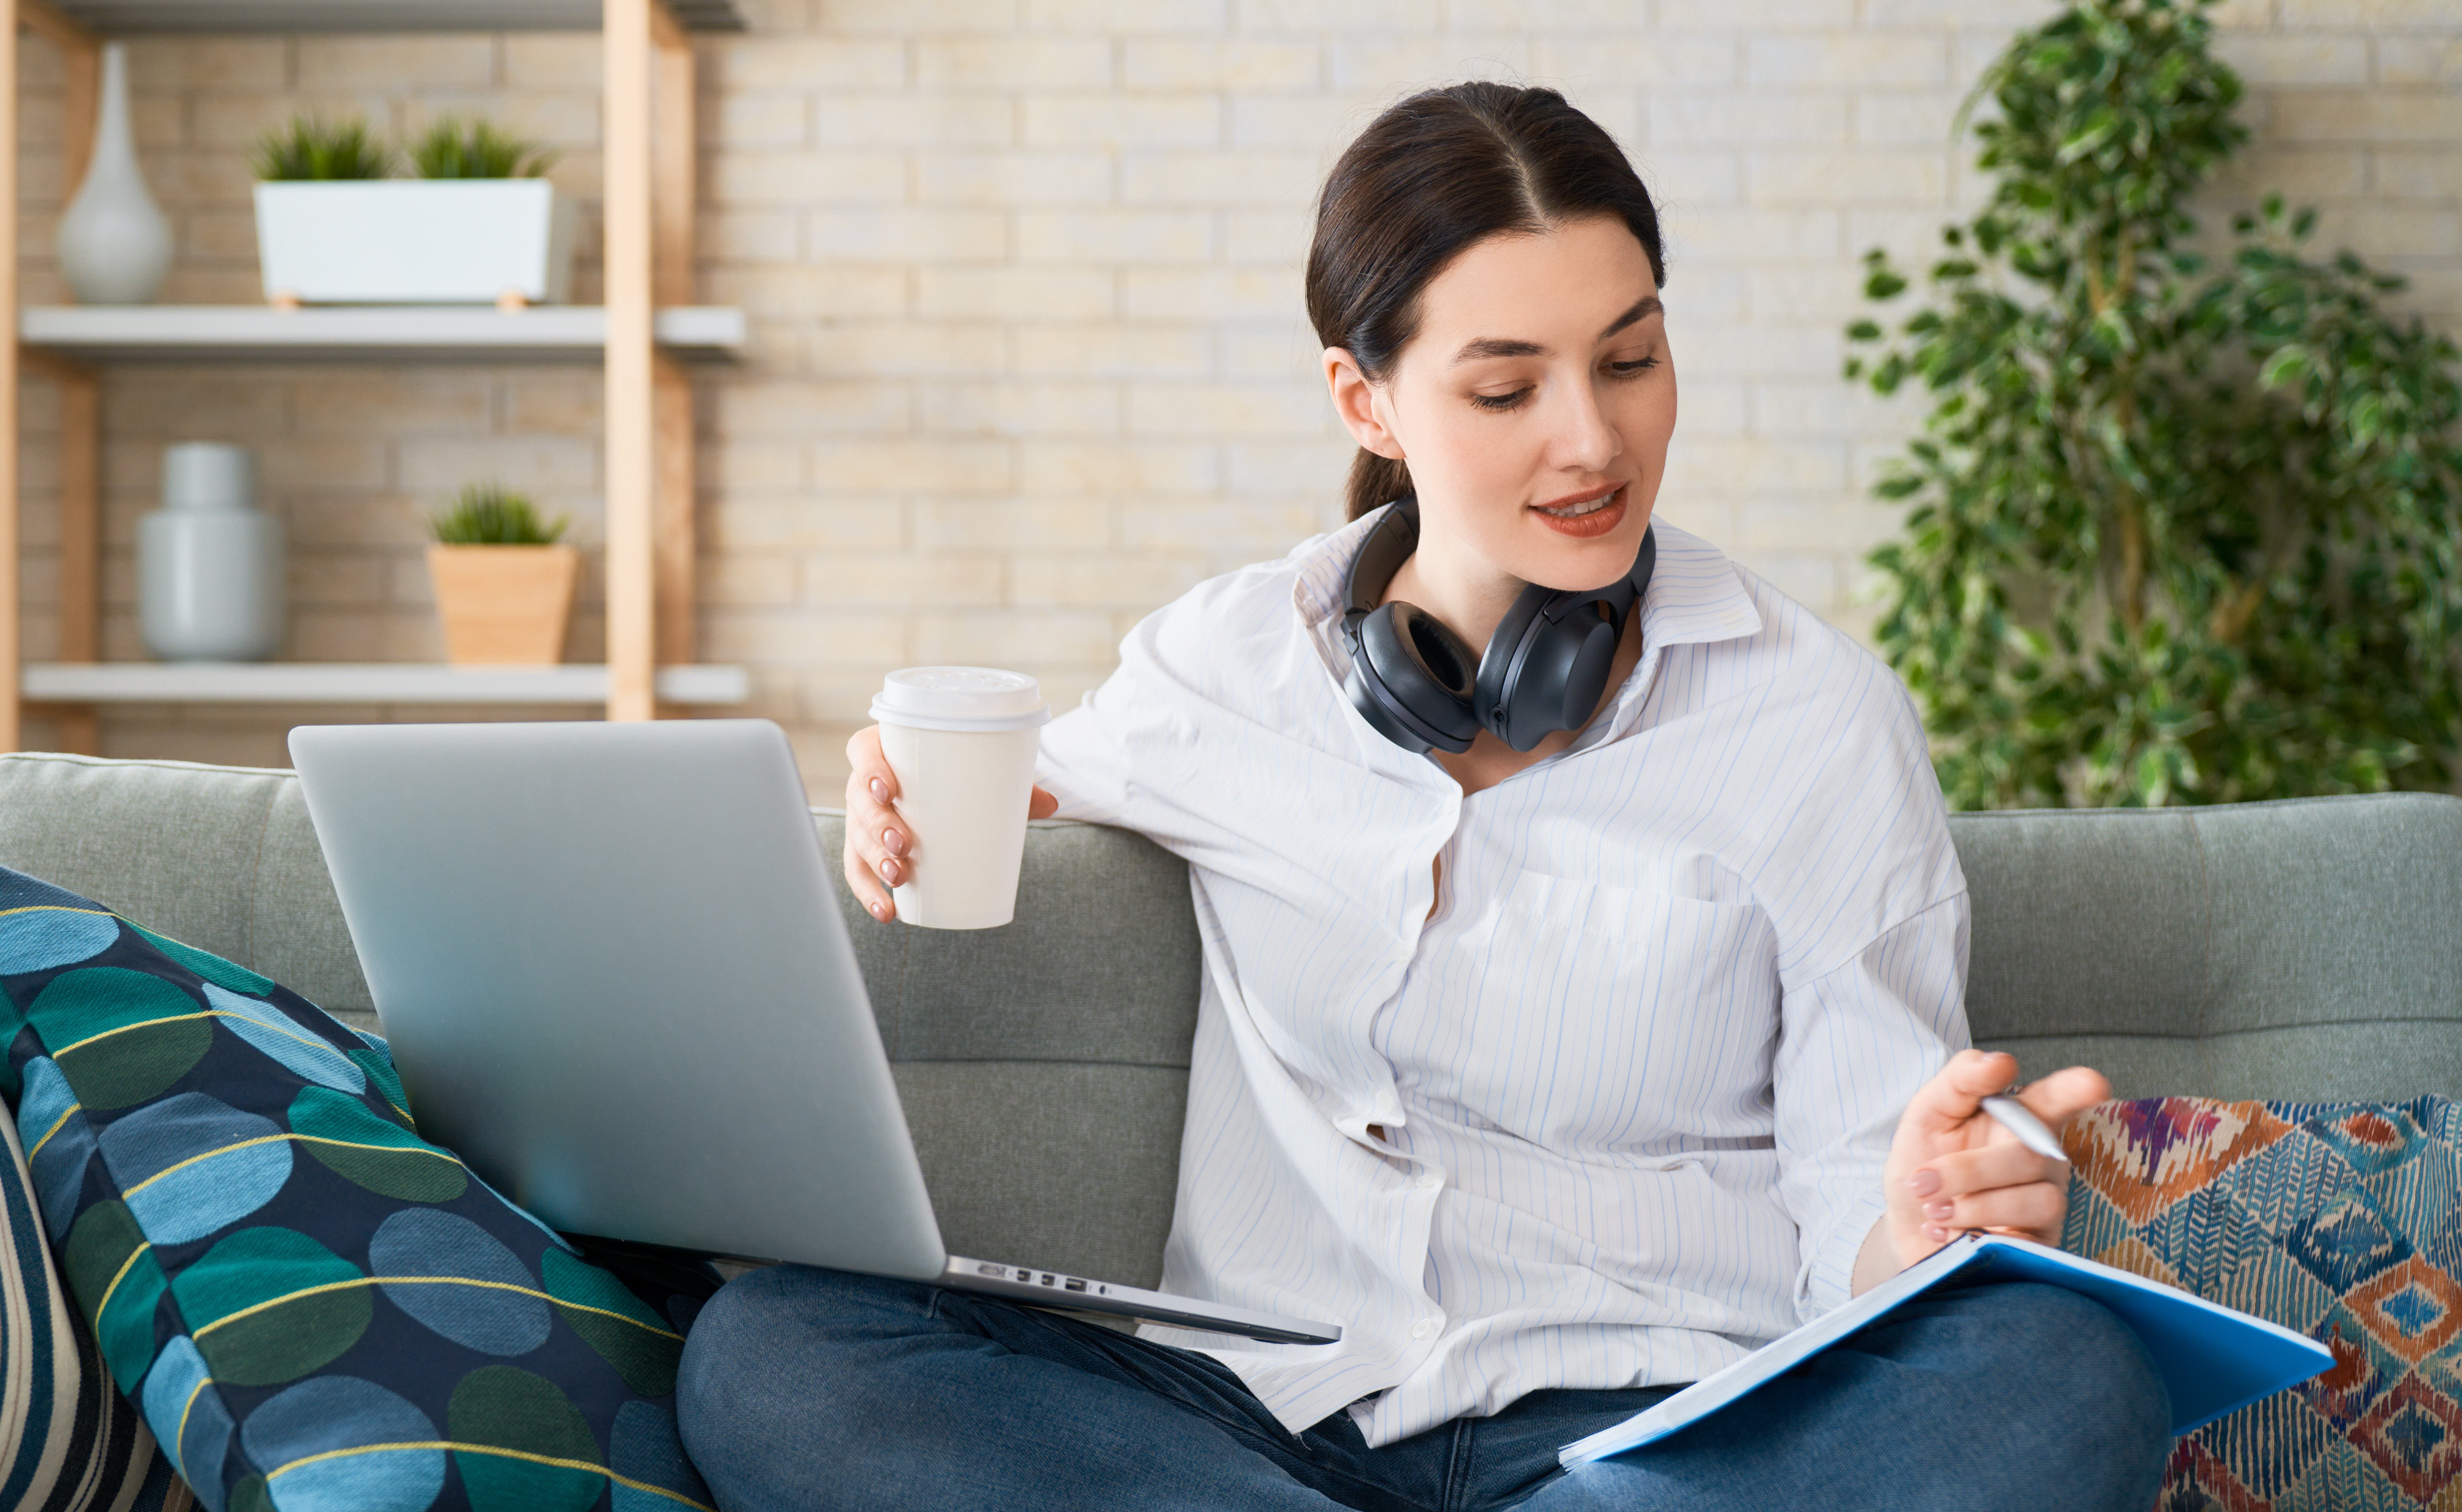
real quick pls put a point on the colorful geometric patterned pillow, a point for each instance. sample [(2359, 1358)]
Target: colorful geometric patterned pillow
[(312, 1307), (2341, 1221)]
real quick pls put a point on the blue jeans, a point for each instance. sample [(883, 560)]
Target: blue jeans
[(813, 1389)]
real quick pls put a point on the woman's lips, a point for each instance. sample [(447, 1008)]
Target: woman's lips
[(1584, 526)]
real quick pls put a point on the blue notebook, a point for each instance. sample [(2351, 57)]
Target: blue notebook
[(2214, 1360)]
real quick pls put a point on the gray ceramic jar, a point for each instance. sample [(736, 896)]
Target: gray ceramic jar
[(210, 563)]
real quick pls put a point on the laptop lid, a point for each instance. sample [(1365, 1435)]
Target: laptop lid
[(610, 964)]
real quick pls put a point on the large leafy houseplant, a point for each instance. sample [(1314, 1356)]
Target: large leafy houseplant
[(2182, 528)]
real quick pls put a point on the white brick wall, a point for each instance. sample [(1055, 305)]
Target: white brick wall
[(1027, 351)]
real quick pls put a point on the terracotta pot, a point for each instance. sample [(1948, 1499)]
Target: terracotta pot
[(504, 605)]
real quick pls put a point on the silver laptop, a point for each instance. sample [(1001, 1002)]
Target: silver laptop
[(610, 963)]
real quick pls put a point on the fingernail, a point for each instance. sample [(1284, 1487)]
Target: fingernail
[(879, 913), (889, 872), (1924, 1183), (896, 842), (879, 790), (1939, 1212), (1935, 1233)]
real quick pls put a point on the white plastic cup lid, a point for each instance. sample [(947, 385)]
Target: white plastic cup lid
[(961, 699)]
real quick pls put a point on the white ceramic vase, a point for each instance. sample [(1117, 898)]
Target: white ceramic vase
[(209, 564), (114, 245)]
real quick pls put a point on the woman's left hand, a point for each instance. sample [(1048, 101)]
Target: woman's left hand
[(1951, 1168)]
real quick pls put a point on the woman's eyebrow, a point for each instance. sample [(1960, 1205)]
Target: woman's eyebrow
[(1508, 347), (1646, 306), (1498, 347)]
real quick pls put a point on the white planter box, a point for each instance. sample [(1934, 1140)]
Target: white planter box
[(415, 241)]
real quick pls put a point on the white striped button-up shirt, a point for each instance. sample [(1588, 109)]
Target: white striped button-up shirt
[(1615, 1112)]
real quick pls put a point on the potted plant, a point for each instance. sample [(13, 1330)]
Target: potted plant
[(477, 225), (504, 583), (2183, 519)]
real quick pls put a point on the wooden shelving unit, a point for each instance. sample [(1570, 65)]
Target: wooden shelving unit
[(644, 334)]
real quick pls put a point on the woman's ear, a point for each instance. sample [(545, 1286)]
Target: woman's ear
[(1357, 400)]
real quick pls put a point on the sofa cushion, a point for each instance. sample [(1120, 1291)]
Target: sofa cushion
[(2340, 1220), (310, 1304)]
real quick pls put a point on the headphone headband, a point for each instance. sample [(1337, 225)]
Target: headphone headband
[(1380, 556)]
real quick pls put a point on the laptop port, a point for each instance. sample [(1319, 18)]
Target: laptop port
[(1047, 1277), (1026, 1276), (1074, 1285), (991, 1271)]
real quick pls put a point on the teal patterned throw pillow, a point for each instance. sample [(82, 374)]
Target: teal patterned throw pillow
[(313, 1308)]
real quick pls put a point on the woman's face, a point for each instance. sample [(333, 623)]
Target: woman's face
[(1534, 405)]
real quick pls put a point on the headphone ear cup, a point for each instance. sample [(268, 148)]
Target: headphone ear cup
[(1417, 672), (1376, 706), (1585, 675), (1560, 680)]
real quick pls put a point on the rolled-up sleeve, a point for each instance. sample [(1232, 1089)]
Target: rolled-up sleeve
[(1854, 1045), (1081, 764)]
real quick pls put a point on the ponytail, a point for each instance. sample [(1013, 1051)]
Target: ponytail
[(1375, 481)]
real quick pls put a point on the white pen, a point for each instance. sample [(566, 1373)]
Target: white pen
[(2013, 1116)]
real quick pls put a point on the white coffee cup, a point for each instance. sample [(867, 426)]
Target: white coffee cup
[(961, 741)]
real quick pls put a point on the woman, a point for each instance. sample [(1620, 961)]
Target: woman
[(1584, 951)]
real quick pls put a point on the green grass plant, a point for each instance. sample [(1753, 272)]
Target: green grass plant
[(454, 148), (310, 147), (489, 514)]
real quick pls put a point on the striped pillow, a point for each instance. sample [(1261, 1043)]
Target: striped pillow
[(68, 1441)]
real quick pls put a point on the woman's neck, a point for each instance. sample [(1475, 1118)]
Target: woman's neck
[(1466, 593)]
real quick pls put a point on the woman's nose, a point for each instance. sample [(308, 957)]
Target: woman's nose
[(1585, 441)]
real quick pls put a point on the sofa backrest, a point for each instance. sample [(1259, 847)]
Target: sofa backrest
[(2308, 949)]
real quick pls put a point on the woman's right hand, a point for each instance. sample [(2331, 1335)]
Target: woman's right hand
[(876, 841)]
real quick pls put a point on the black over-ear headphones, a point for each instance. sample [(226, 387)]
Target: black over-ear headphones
[(1545, 669)]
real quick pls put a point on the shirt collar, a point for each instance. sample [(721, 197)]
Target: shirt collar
[(1323, 561)]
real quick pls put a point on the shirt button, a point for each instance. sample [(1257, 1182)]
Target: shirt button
[(1429, 1179), (1423, 1328)]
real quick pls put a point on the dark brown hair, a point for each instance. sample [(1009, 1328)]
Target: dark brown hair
[(1432, 174)]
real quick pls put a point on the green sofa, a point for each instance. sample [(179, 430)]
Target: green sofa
[(2310, 949)]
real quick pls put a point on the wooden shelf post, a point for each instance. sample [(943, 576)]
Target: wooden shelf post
[(79, 637), (11, 646), (80, 439), (631, 412), (674, 205)]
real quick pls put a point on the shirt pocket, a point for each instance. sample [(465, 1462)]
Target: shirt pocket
[(1608, 1020)]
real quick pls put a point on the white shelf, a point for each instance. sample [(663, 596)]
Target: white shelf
[(359, 682), (362, 333), (111, 16)]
